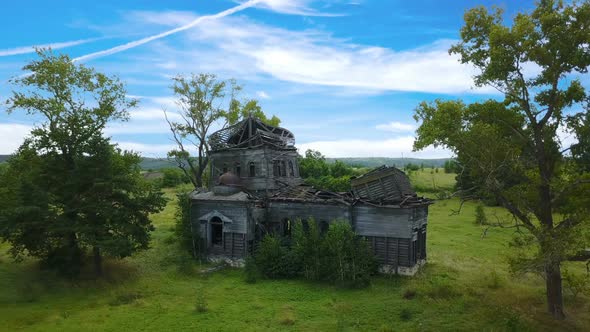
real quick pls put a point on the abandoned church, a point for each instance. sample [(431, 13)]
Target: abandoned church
[(256, 189)]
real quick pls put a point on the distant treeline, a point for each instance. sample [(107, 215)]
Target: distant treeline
[(160, 163), (397, 162)]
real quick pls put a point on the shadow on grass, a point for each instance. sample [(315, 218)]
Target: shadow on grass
[(28, 281)]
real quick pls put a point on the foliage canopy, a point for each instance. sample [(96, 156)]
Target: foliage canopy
[(523, 164), (68, 189)]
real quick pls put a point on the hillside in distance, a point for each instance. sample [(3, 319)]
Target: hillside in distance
[(155, 164), (159, 163), (397, 162)]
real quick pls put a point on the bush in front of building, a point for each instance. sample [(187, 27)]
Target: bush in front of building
[(339, 256), (187, 236), (307, 245), (274, 259), (349, 260)]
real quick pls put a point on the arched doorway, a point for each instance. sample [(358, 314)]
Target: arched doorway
[(216, 231)]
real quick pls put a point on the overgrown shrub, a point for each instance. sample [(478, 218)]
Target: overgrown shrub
[(348, 258), (339, 256), (183, 230), (274, 260), (307, 247), (173, 177)]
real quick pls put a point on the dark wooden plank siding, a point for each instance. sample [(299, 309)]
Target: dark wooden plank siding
[(404, 246), (236, 211), (234, 244), (391, 251), (382, 221), (262, 159), (320, 212)]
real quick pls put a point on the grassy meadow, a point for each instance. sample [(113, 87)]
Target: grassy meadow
[(464, 286)]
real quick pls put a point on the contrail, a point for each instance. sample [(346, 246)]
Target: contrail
[(142, 41), (55, 46)]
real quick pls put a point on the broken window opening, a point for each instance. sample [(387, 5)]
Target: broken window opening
[(216, 231)]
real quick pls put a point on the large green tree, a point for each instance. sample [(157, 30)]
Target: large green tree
[(204, 102), (511, 148), (68, 190), (316, 171)]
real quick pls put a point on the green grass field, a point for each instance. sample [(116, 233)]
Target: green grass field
[(427, 180), (464, 286)]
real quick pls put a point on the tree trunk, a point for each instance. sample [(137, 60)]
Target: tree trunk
[(554, 290), (97, 261)]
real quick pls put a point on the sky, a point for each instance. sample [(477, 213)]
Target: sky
[(343, 76)]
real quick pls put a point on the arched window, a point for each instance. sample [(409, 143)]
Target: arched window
[(277, 168), (305, 226), (238, 169), (252, 170), (283, 168), (324, 226), (291, 169), (286, 227)]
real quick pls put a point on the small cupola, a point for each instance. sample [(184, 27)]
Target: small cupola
[(228, 184)]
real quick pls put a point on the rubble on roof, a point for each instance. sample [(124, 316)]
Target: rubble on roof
[(250, 133), (383, 184), (310, 194)]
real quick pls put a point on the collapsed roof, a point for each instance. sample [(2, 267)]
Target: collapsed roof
[(383, 184), (250, 133)]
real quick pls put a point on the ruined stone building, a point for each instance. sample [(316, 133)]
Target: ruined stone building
[(256, 189)]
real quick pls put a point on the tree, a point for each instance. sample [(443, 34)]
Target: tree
[(241, 110), (67, 188), (523, 163), (348, 257), (172, 177), (322, 175), (202, 102), (313, 165), (307, 247)]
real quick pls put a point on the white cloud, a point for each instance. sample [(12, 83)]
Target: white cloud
[(262, 95), (241, 46), (394, 148), (12, 136), (138, 127), (293, 7), (396, 127), (54, 46), (195, 22), (153, 113), (567, 139)]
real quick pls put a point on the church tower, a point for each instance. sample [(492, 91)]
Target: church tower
[(263, 157)]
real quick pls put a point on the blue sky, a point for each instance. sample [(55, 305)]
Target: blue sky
[(344, 76)]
